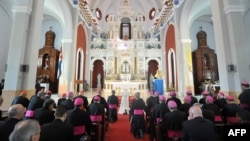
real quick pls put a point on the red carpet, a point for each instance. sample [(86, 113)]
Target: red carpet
[(120, 131)]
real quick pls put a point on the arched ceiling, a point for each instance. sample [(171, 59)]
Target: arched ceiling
[(138, 6)]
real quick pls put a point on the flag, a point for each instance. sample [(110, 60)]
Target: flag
[(59, 67)]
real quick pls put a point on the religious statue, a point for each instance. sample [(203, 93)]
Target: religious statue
[(99, 80), (151, 82), (158, 74), (46, 62)]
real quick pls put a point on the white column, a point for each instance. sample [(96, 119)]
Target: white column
[(229, 42), (68, 64), (222, 45), (182, 40), (17, 49), (32, 48), (237, 42)]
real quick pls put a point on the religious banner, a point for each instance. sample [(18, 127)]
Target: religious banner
[(59, 69), (158, 86)]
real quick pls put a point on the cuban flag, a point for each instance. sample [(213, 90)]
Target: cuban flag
[(75, 2), (59, 67)]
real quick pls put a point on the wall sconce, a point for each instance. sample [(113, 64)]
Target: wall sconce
[(231, 68)]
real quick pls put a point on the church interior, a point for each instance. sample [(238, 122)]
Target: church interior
[(123, 45)]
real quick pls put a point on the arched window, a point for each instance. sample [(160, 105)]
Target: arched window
[(125, 31), (152, 13)]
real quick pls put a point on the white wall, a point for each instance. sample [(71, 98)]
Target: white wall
[(56, 27), (208, 28), (5, 30)]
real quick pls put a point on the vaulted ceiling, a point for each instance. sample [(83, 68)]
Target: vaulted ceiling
[(107, 7)]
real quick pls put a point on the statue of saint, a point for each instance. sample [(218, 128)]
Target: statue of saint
[(151, 82), (99, 80), (158, 74), (46, 62)]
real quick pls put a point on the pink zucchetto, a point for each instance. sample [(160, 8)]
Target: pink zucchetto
[(245, 83), (205, 93), (172, 93), (172, 104), (221, 94), (70, 94), (150, 92), (162, 98), (156, 93), (96, 98), (188, 98), (209, 99), (230, 98), (78, 101), (189, 92)]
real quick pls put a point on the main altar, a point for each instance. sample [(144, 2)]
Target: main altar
[(126, 51)]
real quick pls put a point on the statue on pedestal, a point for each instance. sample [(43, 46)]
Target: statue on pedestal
[(158, 74), (99, 80)]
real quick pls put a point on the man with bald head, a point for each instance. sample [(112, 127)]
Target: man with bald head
[(15, 114), (204, 129)]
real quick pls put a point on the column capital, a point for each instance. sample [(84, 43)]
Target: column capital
[(22, 9), (186, 40), (66, 40), (234, 8)]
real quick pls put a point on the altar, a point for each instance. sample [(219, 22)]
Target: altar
[(129, 85)]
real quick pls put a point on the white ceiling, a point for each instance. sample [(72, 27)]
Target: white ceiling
[(112, 7), (200, 10)]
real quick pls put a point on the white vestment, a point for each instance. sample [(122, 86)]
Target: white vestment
[(124, 102)]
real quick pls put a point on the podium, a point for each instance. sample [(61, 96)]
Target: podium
[(45, 85), (158, 86)]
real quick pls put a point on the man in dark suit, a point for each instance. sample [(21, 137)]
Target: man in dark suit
[(113, 103), (1, 86), (21, 99), (57, 130), (84, 98), (46, 113), (204, 129), (79, 119), (15, 114), (36, 101), (244, 97), (172, 121), (137, 117), (38, 86)]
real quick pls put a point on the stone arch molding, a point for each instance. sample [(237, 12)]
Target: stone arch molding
[(80, 50), (98, 58), (159, 61), (171, 50)]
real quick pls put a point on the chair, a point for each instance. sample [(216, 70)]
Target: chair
[(158, 133), (174, 135), (218, 119), (96, 132), (232, 120)]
